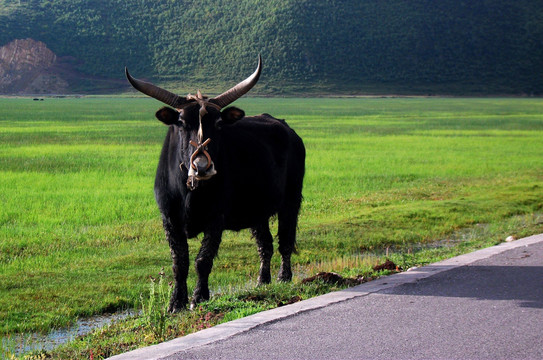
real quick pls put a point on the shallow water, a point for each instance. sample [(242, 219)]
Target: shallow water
[(18, 344)]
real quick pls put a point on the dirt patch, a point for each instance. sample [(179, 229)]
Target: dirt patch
[(336, 279), (326, 277), (292, 300), (28, 66), (387, 265)]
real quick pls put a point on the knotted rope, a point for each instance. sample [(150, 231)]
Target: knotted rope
[(201, 146)]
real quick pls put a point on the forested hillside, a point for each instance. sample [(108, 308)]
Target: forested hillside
[(349, 46)]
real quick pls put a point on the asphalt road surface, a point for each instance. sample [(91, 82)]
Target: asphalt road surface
[(484, 305)]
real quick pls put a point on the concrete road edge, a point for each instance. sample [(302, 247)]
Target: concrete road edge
[(232, 328)]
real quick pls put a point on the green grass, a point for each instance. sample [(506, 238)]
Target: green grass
[(80, 232)]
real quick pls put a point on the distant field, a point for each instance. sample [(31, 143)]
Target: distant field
[(80, 232)]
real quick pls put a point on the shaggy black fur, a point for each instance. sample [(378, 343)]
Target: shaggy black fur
[(260, 168)]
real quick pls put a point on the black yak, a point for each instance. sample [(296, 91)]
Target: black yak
[(221, 170)]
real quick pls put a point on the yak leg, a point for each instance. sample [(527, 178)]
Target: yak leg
[(180, 264), (264, 241), (287, 215), (204, 263), (288, 219)]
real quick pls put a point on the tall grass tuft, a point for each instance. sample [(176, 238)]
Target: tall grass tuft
[(154, 307)]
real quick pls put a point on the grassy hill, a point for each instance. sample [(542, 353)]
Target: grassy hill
[(349, 46)]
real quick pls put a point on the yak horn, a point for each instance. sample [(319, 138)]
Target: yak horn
[(228, 97), (155, 92)]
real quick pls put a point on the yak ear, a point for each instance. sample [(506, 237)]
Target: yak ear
[(232, 114), (167, 115)]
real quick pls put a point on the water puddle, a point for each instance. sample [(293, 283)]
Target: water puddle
[(18, 344)]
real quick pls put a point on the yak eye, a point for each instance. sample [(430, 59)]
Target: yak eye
[(180, 120)]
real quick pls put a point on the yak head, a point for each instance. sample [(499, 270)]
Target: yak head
[(198, 120)]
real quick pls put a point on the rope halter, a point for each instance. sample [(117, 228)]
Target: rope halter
[(201, 145)]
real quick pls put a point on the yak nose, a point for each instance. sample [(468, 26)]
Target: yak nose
[(201, 164)]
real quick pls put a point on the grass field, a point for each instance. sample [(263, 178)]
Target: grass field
[(419, 178)]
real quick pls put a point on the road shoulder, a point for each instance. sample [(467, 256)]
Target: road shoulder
[(227, 330)]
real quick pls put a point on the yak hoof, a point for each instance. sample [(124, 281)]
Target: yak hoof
[(174, 309), (263, 280), (178, 300), (176, 305), (284, 276), (198, 297)]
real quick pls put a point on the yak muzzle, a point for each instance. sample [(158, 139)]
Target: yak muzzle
[(201, 165)]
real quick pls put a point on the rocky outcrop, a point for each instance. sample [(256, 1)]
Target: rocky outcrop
[(28, 67)]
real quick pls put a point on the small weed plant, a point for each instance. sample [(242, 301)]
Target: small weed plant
[(154, 307)]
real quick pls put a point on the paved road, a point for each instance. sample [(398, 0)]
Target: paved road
[(484, 305)]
